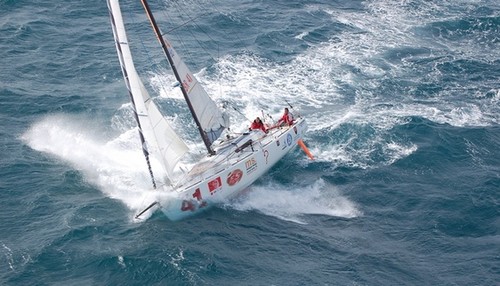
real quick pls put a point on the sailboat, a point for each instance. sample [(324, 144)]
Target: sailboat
[(233, 161)]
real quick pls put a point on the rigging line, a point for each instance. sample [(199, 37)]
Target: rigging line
[(237, 110), (193, 20), (213, 41), (180, 11), (217, 44), (167, 53), (236, 35), (126, 79), (183, 15), (177, 37), (185, 23), (208, 52), (156, 67)]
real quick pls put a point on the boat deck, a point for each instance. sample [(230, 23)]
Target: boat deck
[(230, 152)]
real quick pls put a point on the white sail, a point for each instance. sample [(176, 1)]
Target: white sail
[(159, 139), (212, 120)]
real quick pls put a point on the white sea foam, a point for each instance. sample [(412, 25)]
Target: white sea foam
[(121, 262), (8, 256), (294, 203), (116, 166)]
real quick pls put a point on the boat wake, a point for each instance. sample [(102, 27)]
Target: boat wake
[(295, 203)]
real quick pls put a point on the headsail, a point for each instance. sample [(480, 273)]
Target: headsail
[(211, 121), (157, 137)]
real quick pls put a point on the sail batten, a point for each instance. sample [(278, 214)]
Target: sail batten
[(158, 139)]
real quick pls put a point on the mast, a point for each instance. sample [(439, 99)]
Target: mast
[(164, 46), (129, 88), (158, 139)]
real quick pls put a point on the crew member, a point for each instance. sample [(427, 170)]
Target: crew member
[(258, 124), (287, 118)]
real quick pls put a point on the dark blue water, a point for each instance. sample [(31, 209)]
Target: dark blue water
[(403, 103)]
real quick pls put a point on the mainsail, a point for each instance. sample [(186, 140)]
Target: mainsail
[(157, 137), (211, 121)]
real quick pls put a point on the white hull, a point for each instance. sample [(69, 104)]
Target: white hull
[(237, 162), (229, 173)]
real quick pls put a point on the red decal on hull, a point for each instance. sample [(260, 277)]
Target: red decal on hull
[(214, 185)]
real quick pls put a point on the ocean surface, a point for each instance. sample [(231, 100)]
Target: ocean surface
[(402, 99)]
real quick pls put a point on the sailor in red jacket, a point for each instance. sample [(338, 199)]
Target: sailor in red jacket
[(287, 118), (257, 124)]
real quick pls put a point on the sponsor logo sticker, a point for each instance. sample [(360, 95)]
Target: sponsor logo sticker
[(234, 177), (251, 165), (215, 185)]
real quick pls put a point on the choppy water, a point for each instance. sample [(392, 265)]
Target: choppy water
[(402, 100)]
